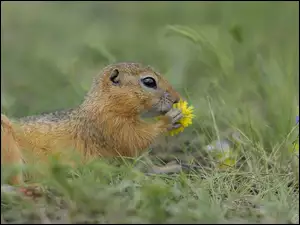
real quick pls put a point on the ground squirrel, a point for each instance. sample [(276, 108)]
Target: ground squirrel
[(109, 122)]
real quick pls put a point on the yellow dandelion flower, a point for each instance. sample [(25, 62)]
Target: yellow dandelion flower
[(227, 163), (224, 154), (295, 148), (187, 118)]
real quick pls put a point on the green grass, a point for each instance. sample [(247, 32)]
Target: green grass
[(236, 62)]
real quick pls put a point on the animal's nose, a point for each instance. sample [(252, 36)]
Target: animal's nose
[(176, 100)]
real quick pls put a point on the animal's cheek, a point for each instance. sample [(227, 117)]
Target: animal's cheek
[(151, 103), (161, 105), (152, 108)]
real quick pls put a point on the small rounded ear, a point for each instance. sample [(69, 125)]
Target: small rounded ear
[(114, 76)]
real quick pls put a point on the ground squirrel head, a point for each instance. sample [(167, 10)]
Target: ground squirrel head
[(133, 88)]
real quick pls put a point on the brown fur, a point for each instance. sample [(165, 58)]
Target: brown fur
[(107, 123), (10, 152)]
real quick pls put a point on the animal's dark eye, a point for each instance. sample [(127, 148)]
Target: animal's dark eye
[(149, 82)]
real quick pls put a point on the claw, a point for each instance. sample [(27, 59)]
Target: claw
[(176, 125), (175, 116)]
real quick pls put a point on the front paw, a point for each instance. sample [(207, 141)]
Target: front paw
[(174, 116)]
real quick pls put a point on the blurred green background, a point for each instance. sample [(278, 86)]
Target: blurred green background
[(237, 61)]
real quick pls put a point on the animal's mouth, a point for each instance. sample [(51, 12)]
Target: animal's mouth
[(152, 113), (156, 111)]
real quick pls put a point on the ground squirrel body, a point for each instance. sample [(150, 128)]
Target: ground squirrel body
[(109, 122)]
